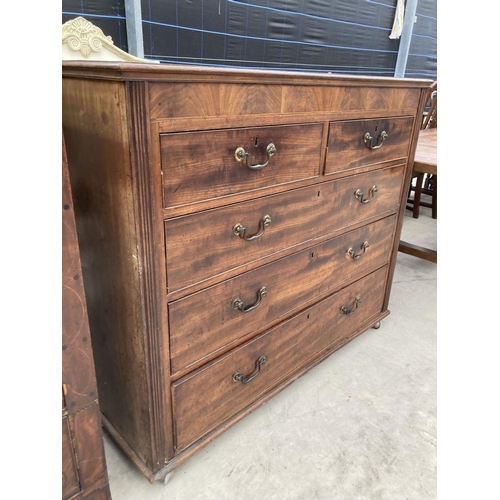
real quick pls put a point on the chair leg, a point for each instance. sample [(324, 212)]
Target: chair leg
[(409, 201), (434, 197), (418, 193)]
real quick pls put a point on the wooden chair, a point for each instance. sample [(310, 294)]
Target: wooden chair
[(426, 182)]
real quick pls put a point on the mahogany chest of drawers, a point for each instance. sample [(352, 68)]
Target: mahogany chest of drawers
[(236, 228)]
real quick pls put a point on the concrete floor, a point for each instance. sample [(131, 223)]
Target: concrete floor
[(361, 425)]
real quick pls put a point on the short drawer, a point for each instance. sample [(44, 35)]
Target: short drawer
[(358, 143), (210, 243), (199, 166), (206, 322), (212, 395)]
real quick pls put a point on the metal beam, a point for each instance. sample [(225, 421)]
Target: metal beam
[(406, 33), (135, 43)]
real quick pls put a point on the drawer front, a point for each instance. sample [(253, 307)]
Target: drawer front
[(287, 348), (203, 323), (348, 149), (177, 100), (296, 216), (199, 166)]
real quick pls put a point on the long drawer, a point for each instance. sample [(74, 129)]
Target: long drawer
[(214, 237), (357, 143), (172, 100), (204, 165), (213, 394), (208, 321)]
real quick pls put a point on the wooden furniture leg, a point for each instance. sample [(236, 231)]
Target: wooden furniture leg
[(418, 251), (418, 195), (434, 197)]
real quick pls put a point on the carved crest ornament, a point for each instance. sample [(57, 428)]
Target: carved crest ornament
[(82, 36)]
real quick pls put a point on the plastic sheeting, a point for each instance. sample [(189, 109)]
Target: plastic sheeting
[(338, 36), (109, 15), (422, 58), (341, 36)]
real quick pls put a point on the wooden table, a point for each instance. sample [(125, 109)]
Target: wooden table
[(425, 163), (426, 154)]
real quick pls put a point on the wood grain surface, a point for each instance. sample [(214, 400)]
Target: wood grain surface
[(197, 166), (157, 194), (347, 149), (83, 461), (204, 324), (297, 216), (287, 348)]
